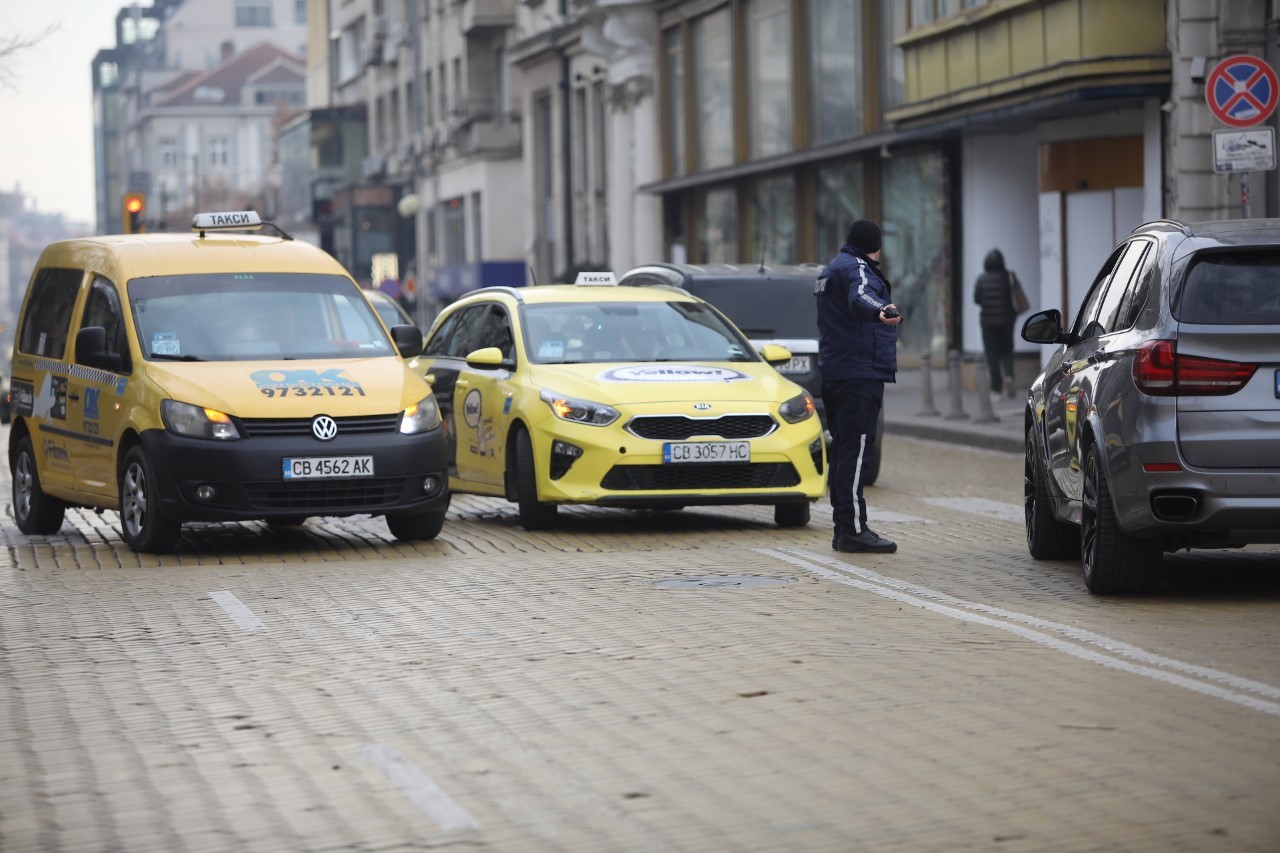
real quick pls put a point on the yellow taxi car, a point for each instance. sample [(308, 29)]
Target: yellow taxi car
[(216, 377), (643, 397)]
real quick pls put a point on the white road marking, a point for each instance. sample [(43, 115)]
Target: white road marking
[(1114, 652), (890, 517), (983, 507), (239, 613), (419, 788)]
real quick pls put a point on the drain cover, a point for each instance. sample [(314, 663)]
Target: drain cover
[(720, 582)]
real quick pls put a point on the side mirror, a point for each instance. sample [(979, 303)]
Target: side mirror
[(91, 350), (1044, 327), (408, 340), (488, 358), (775, 354)]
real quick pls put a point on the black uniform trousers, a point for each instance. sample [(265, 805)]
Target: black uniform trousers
[(853, 407)]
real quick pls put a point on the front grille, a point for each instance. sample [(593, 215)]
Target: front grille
[(679, 427), (360, 425), (317, 495), (704, 477)]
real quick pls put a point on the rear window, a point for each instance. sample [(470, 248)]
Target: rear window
[(764, 309), (1236, 289)]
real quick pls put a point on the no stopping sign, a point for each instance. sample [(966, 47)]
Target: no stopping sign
[(1241, 90)]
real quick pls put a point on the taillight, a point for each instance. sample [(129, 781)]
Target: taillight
[(1158, 370)]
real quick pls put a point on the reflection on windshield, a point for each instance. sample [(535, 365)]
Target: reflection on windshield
[(573, 333), (265, 316)]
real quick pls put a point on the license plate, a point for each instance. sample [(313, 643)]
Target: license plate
[(706, 451), (318, 467), (797, 364)]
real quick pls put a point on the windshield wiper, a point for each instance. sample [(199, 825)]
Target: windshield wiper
[(168, 357)]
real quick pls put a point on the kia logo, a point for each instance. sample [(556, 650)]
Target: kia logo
[(324, 427), (702, 407)]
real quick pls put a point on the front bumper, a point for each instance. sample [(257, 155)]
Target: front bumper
[(616, 468), (410, 476)]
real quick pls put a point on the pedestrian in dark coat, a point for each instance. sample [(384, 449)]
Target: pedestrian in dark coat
[(993, 291), (858, 353)]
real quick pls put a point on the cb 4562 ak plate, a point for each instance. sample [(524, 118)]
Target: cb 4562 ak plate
[(320, 467)]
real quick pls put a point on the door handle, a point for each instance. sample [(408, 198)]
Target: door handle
[(75, 397)]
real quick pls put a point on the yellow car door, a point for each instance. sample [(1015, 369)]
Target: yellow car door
[(482, 399), (95, 387)]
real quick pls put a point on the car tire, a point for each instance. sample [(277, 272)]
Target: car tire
[(533, 514), (791, 514), (142, 526), (871, 465), (33, 510), (1047, 537), (1114, 562), (418, 527)]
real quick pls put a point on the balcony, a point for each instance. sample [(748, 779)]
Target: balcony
[(1005, 54), (479, 15)]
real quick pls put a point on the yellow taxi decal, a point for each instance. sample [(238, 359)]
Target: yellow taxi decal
[(79, 371), (672, 373), (306, 382)]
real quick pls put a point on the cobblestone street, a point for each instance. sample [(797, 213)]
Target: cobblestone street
[(694, 680)]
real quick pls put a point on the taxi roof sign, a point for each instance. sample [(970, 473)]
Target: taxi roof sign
[(595, 278), (224, 220)]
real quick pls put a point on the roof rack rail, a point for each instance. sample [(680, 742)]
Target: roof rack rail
[(1166, 223)]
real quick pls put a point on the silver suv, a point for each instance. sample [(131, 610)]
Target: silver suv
[(1155, 425)]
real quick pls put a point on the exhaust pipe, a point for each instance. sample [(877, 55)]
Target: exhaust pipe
[(1174, 507)]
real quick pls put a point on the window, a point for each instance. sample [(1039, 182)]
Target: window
[(673, 98), (543, 191), (455, 231), (1236, 289), (713, 89), (459, 107), (299, 11), (102, 308), (475, 226), (1086, 325), (48, 313), (427, 95), (253, 13), (1121, 283), (835, 88), (168, 151), (917, 248), (351, 50), (839, 201), (924, 12), (773, 220), (444, 94), (219, 150), (769, 76), (719, 237), (496, 332), (893, 23), (453, 338)]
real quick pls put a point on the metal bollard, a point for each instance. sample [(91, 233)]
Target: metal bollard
[(985, 413), (926, 387), (953, 380)]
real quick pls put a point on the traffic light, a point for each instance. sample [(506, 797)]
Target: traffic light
[(135, 209)]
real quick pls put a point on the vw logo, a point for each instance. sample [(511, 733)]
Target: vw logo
[(324, 427), (702, 407)]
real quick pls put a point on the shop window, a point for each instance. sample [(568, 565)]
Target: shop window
[(772, 225), (719, 233), (713, 89), (917, 249), (839, 201), (455, 231), (769, 76), (835, 89), (893, 23)]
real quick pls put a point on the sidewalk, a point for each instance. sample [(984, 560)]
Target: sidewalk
[(904, 403)]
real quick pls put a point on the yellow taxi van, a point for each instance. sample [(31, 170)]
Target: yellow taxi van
[(216, 376)]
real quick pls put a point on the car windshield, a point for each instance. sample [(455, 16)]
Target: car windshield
[(764, 308), (1237, 289), (254, 316), (582, 332)]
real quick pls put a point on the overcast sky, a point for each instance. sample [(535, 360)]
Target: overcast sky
[(46, 141)]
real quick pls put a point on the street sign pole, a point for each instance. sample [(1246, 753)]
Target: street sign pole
[(1242, 91)]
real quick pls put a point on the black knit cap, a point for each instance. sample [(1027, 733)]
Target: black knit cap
[(864, 235)]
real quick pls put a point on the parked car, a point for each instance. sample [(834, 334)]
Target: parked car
[(770, 304), (217, 377), (639, 397), (391, 311), (1153, 426)]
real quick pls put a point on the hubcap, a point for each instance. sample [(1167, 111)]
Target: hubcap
[(133, 501), (1029, 490), (23, 487), (1089, 514)]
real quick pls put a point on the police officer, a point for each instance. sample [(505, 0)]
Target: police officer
[(858, 353)]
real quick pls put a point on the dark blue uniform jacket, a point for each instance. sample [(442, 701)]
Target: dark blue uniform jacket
[(853, 343)]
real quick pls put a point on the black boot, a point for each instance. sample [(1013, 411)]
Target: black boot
[(866, 541)]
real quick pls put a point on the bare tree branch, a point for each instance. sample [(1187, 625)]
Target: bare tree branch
[(11, 46)]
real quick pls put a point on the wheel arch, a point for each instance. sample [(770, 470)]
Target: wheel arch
[(509, 462)]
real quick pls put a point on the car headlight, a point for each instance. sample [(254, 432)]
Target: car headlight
[(197, 421), (579, 411), (422, 416), (798, 408)]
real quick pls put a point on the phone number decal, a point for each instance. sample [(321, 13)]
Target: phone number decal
[(306, 383)]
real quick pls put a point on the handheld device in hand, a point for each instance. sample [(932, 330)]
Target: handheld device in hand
[(891, 312)]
